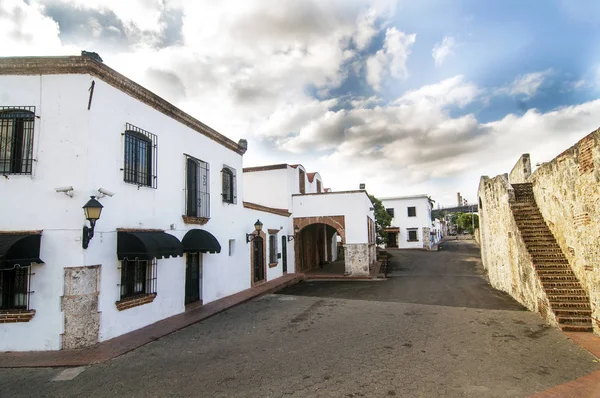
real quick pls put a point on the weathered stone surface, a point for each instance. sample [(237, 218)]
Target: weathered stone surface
[(503, 252), (357, 259), (568, 196), (80, 307), (521, 171), (426, 238)]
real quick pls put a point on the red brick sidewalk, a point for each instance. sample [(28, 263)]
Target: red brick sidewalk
[(586, 386), (120, 345)]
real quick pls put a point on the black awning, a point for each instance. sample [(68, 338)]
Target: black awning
[(199, 240), (146, 245), (19, 249)]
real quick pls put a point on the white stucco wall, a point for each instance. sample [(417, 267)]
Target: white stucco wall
[(268, 188), (354, 206), (74, 146), (271, 221), (404, 222)]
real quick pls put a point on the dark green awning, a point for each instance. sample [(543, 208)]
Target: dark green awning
[(19, 249), (146, 245), (199, 240)]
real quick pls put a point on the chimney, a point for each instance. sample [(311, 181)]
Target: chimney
[(459, 198)]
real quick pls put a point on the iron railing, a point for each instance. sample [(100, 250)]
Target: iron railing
[(140, 157), (138, 277), (16, 139), (197, 188), (14, 288)]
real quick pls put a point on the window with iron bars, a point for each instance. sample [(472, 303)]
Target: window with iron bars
[(412, 235), (16, 139), (272, 249), (140, 159), (14, 288), (228, 185), (197, 188), (138, 277)]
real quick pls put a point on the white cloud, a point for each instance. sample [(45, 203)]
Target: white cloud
[(391, 59), (442, 50), (527, 84)]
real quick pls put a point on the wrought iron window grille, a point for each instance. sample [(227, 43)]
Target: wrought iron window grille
[(17, 125), (140, 160)]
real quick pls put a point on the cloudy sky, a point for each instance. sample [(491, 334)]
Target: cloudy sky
[(406, 96)]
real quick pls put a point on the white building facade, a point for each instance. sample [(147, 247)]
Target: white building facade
[(411, 226), (319, 217), (173, 228)]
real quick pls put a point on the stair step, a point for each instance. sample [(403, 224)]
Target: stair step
[(542, 249), (558, 296), (550, 260), (551, 266), (554, 271), (574, 320), (573, 312), (576, 328), (551, 287), (559, 278), (571, 305)]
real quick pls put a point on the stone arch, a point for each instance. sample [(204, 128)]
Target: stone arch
[(336, 222), (305, 244)]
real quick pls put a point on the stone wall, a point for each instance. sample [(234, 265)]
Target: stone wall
[(358, 258), (567, 192), (426, 238), (521, 171), (80, 307), (503, 252)]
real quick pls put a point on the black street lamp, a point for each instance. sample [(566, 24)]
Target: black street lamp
[(257, 227), (92, 210)]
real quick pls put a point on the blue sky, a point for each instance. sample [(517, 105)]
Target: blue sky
[(408, 97)]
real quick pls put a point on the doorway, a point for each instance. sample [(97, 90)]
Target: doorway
[(392, 239), (284, 253), (258, 258), (193, 278)]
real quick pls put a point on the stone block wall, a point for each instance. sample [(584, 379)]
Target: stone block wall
[(358, 258), (503, 252), (521, 171), (567, 191), (80, 307)]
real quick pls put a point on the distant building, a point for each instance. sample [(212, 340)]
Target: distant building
[(412, 226)]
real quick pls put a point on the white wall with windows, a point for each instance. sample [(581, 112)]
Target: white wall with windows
[(142, 156), (411, 214)]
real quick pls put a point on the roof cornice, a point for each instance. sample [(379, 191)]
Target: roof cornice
[(87, 65)]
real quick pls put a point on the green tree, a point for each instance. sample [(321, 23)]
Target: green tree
[(466, 221), (382, 220)]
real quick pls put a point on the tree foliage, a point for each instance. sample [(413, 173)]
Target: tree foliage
[(465, 221), (382, 220)]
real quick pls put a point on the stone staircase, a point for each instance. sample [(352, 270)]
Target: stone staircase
[(568, 300)]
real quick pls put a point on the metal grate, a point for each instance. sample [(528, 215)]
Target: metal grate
[(137, 277), (197, 188), (272, 249), (228, 185), (16, 139), (140, 159), (14, 288)]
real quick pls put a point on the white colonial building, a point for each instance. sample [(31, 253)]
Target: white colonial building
[(319, 217), (172, 228), (412, 226)]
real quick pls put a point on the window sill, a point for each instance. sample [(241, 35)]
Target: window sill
[(135, 301), (271, 265), (195, 220), (14, 316), (414, 240)]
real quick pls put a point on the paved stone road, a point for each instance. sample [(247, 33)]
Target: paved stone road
[(337, 339)]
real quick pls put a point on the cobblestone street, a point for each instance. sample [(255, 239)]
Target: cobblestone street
[(435, 328)]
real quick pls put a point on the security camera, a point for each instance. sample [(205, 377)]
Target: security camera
[(66, 190), (104, 192)]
